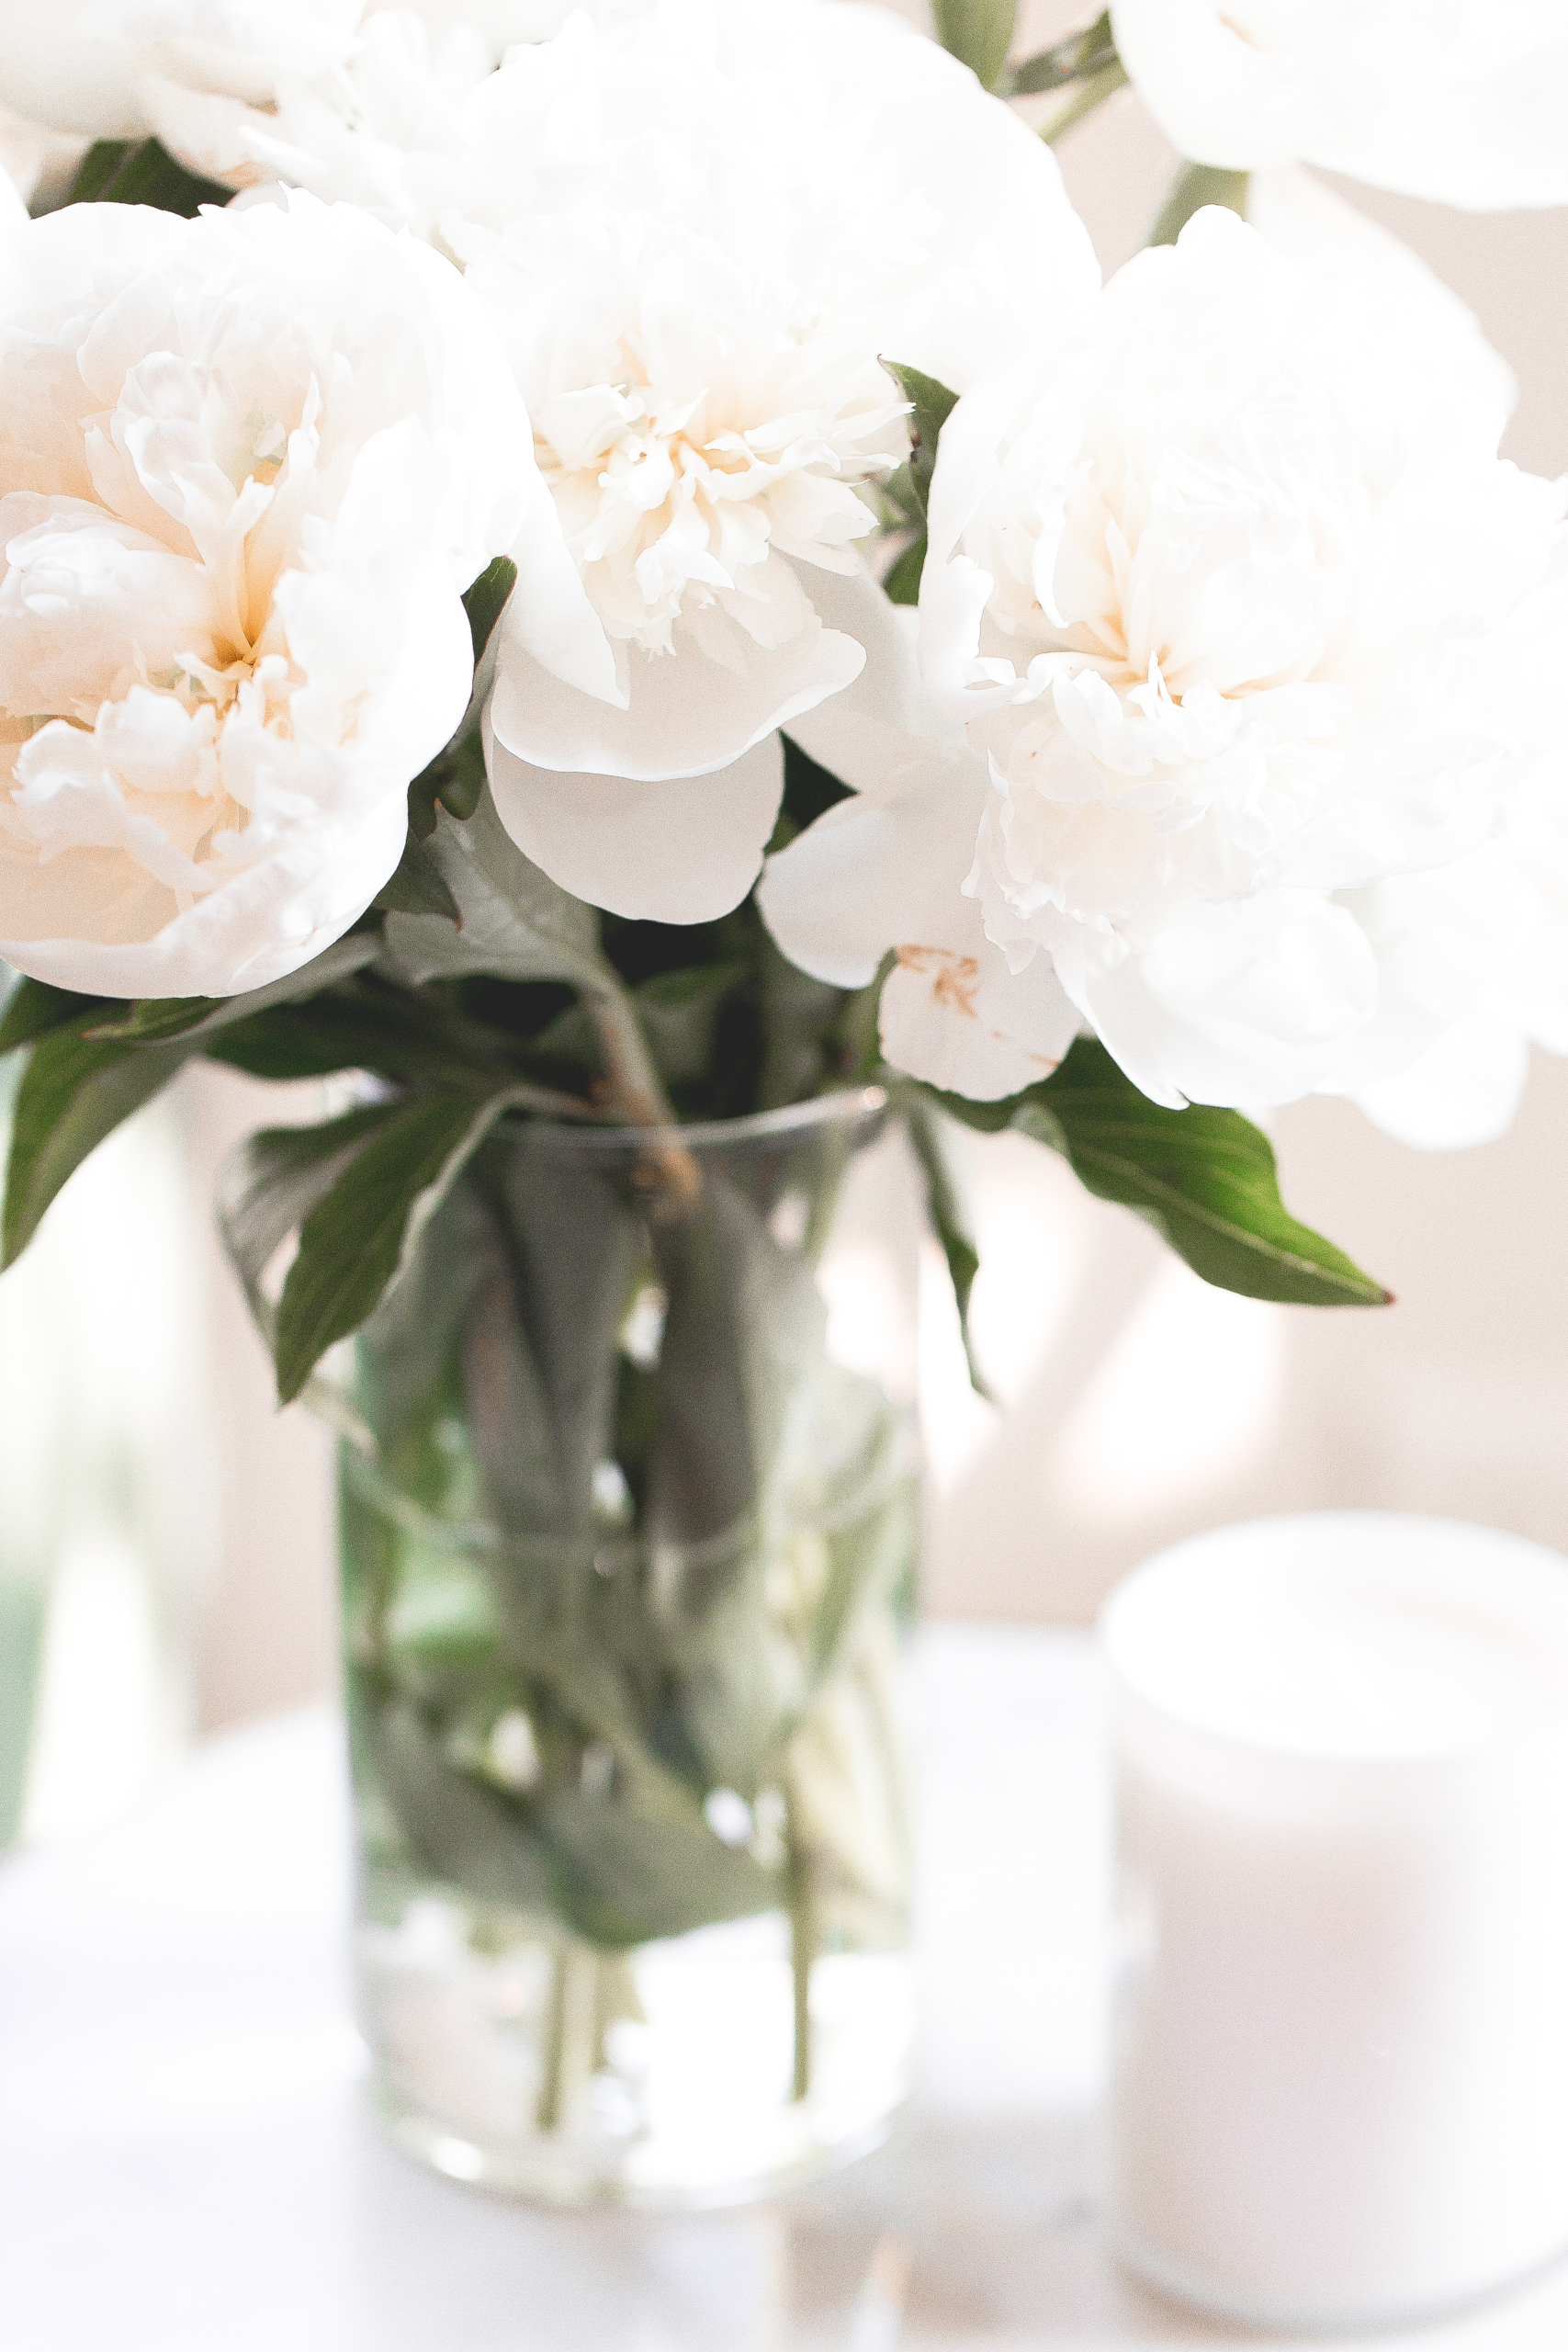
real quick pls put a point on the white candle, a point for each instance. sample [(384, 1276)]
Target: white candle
[(1340, 2073)]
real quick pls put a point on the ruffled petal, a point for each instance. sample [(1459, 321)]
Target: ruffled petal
[(684, 848)]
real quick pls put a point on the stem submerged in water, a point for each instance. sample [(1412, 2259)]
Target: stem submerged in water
[(801, 1898)]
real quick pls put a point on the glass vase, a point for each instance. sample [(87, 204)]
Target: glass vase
[(629, 1531)]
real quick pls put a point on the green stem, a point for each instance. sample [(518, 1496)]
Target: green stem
[(551, 2102), (1071, 60), (1195, 186), (803, 1932), (1085, 96)]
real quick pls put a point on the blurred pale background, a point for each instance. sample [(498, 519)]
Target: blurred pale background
[(1139, 1404)]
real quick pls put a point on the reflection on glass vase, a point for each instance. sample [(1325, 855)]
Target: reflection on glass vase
[(629, 1527)]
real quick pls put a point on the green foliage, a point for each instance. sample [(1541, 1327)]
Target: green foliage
[(949, 1215), (1075, 58), (33, 1009), (418, 886), (902, 583), (484, 601), (979, 34), (1204, 1179), (455, 780), (156, 1019), (132, 170), (1195, 186), (662, 1649), (75, 1091), (359, 1236), (930, 406)]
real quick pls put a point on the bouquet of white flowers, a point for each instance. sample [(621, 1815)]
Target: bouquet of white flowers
[(613, 581)]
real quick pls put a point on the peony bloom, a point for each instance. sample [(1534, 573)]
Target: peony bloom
[(210, 77), (1249, 633), (697, 231), (1459, 100), (697, 224), (247, 464)]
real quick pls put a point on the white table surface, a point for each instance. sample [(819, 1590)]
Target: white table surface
[(184, 2167)]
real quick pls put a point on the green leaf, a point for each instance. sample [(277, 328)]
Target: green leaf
[(933, 405), (1204, 1179), (75, 1091), (680, 1012), (978, 33), (901, 585), (515, 922), (455, 781), (369, 1024), (1195, 186), (270, 1184), (1085, 53), (158, 1018), (34, 1009), (625, 1871), (418, 887), (949, 1214), (354, 1241), (485, 601), (128, 171)]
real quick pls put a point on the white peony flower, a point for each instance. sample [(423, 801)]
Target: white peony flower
[(1459, 100), (247, 464), (209, 78), (697, 231), (1244, 623)]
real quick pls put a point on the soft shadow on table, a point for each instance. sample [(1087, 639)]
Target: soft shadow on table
[(959, 2233)]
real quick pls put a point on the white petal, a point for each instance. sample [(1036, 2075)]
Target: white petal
[(51, 71), (889, 692), (1464, 1090), (685, 714), (1467, 110), (1221, 99), (260, 926), (876, 872), (1486, 142), (965, 1023), (1399, 312), (549, 622), (1245, 1004), (684, 848)]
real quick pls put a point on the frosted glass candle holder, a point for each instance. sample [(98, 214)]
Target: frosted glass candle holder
[(1340, 2059)]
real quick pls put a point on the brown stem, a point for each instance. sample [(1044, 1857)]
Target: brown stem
[(674, 1180)]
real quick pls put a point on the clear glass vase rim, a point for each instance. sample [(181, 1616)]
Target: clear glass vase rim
[(848, 1105)]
